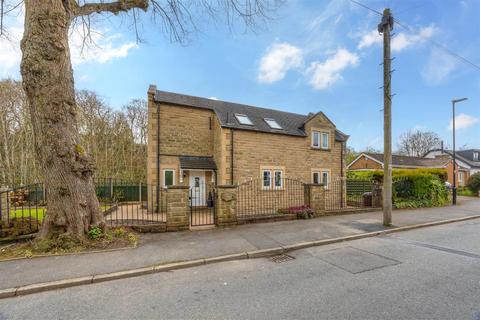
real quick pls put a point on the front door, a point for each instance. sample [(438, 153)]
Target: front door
[(197, 188)]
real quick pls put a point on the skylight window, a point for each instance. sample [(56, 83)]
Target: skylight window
[(272, 123), (243, 119)]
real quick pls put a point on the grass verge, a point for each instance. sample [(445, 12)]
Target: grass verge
[(111, 238)]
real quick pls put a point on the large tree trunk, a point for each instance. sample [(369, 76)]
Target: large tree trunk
[(48, 82)]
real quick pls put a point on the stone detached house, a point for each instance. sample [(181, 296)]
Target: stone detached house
[(374, 161), (193, 140)]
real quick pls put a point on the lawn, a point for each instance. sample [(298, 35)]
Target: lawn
[(37, 213)]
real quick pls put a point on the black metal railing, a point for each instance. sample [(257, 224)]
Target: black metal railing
[(22, 209), (261, 198)]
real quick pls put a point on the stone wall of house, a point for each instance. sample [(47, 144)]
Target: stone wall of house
[(254, 151), (184, 131)]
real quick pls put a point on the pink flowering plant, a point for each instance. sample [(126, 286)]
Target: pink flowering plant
[(302, 212)]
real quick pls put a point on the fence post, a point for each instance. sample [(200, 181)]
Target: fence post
[(178, 208), (140, 192), (317, 198), (377, 200), (4, 205), (226, 198)]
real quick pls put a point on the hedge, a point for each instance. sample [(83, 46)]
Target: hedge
[(474, 183), (377, 175), (412, 188)]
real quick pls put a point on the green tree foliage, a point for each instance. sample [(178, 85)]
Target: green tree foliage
[(474, 183)]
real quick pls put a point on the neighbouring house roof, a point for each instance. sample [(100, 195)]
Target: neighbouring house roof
[(406, 161), (204, 163), (462, 155), (291, 123)]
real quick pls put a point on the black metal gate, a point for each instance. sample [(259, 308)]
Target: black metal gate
[(202, 204)]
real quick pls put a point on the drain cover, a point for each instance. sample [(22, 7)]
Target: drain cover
[(281, 258)]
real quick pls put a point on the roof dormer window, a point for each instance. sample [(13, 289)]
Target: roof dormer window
[(475, 156), (272, 123), (243, 119)]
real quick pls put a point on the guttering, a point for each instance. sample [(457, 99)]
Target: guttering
[(231, 155)]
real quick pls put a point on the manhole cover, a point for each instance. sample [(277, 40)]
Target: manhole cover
[(281, 258), (355, 260)]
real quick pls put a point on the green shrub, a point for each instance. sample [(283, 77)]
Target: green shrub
[(474, 183), (377, 175), (95, 233)]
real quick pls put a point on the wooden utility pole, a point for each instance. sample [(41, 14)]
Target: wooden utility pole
[(385, 26)]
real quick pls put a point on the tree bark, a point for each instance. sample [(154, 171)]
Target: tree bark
[(48, 82)]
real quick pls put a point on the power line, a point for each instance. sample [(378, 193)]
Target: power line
[(441, 46), (437, 44)]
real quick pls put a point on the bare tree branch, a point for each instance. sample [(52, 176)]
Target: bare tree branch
[(112, 7)]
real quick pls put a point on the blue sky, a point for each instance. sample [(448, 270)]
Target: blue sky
[(315, 55)]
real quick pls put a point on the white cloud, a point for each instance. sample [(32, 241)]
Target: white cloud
[(463, 121), (400, 42), (325, 74), (440, 67), (105, 47), (370, 39), (213, 98), (403, 41), (100, 48), (276, 62)]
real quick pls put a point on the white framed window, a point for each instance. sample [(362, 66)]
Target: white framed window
[(316, 177), (475, 156), (243, 119), (326, 178), (320, 140), (325, 140), (461, 178), (316, 139), (278, 179), (320, 176), (267, 179), (272, 123), (168, 177)]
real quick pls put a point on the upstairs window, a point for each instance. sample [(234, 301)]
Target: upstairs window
[(320, 140), (325, 140), (315, 139), (272, 123), (475, 156), (243, 119)]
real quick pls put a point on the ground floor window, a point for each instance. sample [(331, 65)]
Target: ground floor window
[(321, 176), (267, 181), (168, 177), (272, 178)]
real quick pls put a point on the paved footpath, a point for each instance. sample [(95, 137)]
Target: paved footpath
[(169, 247)]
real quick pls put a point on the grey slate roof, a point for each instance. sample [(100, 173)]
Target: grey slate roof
[(463, 155), (406, 161), (292, 123), (205, 163)]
